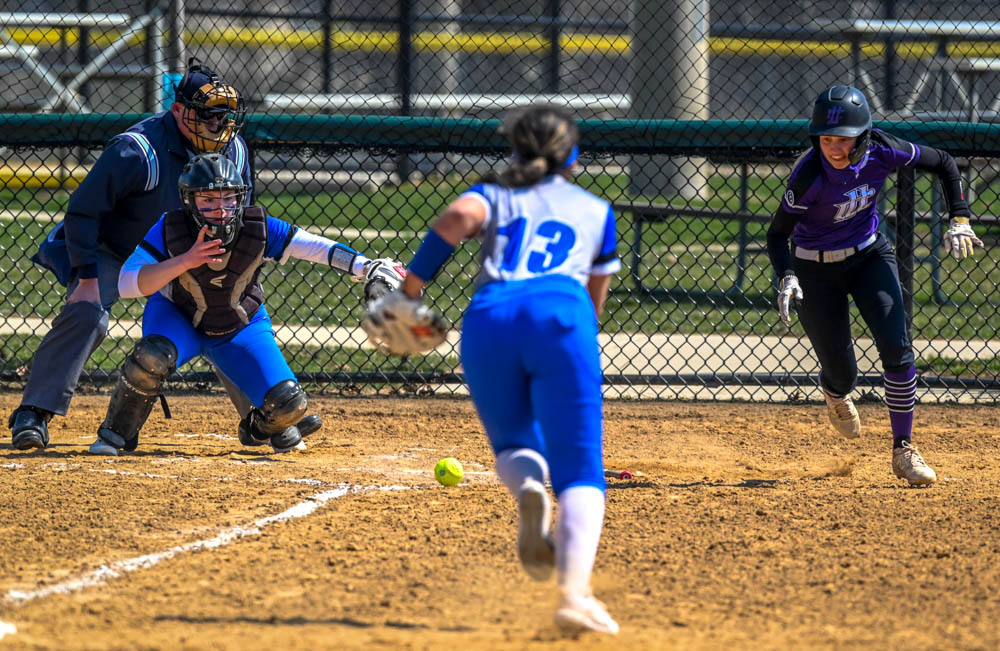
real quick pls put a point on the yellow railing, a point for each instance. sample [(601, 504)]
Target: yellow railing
[(501, 43)]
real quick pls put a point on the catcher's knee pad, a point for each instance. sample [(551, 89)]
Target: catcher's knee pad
[(284, 405), (152, 360)]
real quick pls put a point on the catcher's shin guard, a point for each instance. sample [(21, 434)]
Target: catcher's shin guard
[(152, 360)]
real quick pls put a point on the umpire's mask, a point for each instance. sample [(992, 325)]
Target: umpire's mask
[(213, 194), (214, 112)]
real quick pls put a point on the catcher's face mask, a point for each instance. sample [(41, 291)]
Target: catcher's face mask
[(213, 194)]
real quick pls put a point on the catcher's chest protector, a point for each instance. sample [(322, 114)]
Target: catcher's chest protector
[(219, 298)]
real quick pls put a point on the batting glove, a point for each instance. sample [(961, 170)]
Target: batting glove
[(788, 290), (960, 238)]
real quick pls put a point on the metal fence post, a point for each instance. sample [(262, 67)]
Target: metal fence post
[(905, 221), (405, 77), (554, 30)]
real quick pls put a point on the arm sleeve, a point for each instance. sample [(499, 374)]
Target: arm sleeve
[(316, 248), (119, 172), (148, 252), (777, 240), (607, 262), (943, 165)]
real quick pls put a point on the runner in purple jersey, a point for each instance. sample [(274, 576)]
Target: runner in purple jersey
[(829, 211)]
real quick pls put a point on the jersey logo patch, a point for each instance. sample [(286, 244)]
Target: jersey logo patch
[(217, 281), (860, 198)]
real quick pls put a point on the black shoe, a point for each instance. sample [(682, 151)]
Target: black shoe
[(248, 433), (286, 441), (28, 428)]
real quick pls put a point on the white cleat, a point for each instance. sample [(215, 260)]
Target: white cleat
[(534, 545), (843, 415), (580, 614), (909, 465), (103, 448)]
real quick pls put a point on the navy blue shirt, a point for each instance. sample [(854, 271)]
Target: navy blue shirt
[(132, 183)]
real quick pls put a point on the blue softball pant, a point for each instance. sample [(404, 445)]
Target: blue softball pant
[(871, 279), (250, 357), (532, 363)]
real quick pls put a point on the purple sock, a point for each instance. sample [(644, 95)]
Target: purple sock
[(900, 396)]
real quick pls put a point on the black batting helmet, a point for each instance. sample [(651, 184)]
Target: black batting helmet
[(842, 111), (213, 172)]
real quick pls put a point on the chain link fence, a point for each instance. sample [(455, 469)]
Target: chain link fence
[(368, 117)]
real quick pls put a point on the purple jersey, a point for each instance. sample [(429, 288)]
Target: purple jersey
[(837, 209)]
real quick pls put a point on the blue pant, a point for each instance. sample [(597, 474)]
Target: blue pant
[(250, 357), (871, 278), (532, 362)]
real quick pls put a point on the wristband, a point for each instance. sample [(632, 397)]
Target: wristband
[(342, 258), (961, 220), (431, 256)]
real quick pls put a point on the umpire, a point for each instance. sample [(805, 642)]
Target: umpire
[(132, 183)]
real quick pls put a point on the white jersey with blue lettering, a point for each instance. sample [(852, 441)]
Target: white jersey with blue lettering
[(552, 227)]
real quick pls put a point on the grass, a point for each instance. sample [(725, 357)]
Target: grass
[(683, 275), (16, 351), (950, 366)]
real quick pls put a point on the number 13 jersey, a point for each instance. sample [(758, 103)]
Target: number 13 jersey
[(550, 228)]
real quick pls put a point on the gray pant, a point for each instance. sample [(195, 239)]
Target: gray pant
[(76, 333)]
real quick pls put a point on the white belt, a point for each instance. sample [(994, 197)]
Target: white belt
[(834, 256)]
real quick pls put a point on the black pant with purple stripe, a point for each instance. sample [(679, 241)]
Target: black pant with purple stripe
[(871, 279)]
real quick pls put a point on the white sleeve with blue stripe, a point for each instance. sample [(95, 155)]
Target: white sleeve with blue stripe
[(606, 261)]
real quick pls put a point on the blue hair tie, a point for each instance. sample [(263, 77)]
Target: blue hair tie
[(574, 153)]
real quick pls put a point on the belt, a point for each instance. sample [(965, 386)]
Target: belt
[(834, 256)]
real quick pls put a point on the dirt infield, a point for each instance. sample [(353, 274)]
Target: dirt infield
[(751, 527)]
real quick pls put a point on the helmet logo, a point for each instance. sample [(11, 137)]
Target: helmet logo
[(833, 114)]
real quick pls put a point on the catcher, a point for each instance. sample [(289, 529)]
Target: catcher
[(200, 267)]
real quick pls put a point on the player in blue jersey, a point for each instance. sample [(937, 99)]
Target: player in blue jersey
[(200, 266), (829, 211), (529, 343)]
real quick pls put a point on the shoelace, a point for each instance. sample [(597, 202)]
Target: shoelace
[(843, 409), (913, 457)]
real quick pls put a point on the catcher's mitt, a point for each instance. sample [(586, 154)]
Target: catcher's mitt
[(402, 325), (382, 277)]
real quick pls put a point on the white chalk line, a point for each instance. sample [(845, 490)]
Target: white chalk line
[(117, 569), (7, 628)]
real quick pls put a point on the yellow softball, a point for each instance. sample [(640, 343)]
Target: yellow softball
[(448, 471)]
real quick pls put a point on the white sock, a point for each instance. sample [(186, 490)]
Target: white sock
[(515, 465), (578, 532)]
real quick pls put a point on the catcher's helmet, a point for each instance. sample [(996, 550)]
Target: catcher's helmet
[(842, 111), (212, 173), (214, 110)]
